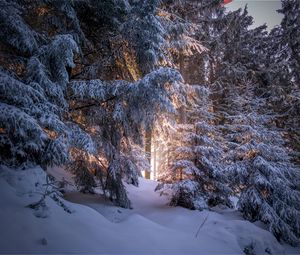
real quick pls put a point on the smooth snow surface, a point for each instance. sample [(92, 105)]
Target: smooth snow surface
[(151, 227)]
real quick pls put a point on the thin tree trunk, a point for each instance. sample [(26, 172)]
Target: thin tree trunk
[(148, 151), (154, 158)]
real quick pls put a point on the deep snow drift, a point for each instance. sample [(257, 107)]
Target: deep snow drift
[(151, 227)]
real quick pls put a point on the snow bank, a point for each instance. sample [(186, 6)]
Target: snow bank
[(151, 227)]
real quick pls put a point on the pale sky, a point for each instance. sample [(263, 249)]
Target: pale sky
[(261, 11)]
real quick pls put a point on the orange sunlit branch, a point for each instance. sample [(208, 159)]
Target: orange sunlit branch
[(51, 134), (41, 11)]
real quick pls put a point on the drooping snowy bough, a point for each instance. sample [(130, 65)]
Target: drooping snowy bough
[(119, 113)]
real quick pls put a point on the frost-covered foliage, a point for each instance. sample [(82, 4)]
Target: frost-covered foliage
[(95, 126), (249, 70), (119, 114), (184, 50), (63, 17), (48, 68), (33, 128), (195, 172), (136, 103), (241, 63), (260, 168), (193, 158), (32, 125), (36, 125), (27, 119), (146, 34), (291, 31), (13, 30), (262, 173), (84, 81), (180, 28), (283, 78)]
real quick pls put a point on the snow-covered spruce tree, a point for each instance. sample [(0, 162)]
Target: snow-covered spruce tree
[(39, 104), (117, 116), (115, 122), (260, 168), (33, 127), (261, 171), (193, 169), (291, 31), (282, 81), (190, 25), (146, 35), (114, 149), (237, 58), (189, 162), (181, 42), (182, 47), (179, 47)]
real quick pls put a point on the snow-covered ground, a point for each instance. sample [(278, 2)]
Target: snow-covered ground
[(96, 226)]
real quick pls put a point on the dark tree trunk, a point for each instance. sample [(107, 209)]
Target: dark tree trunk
[(148, 151)]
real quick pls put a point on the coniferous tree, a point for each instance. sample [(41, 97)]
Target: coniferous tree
[(260, 167), (38, 103), (81, 83), (127, 110), (291, 32), (254, 148), (195, 173), (283, 78), (191, 166), (262, 173), (95, 126)]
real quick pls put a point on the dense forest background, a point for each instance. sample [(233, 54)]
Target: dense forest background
[(90, 84)]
